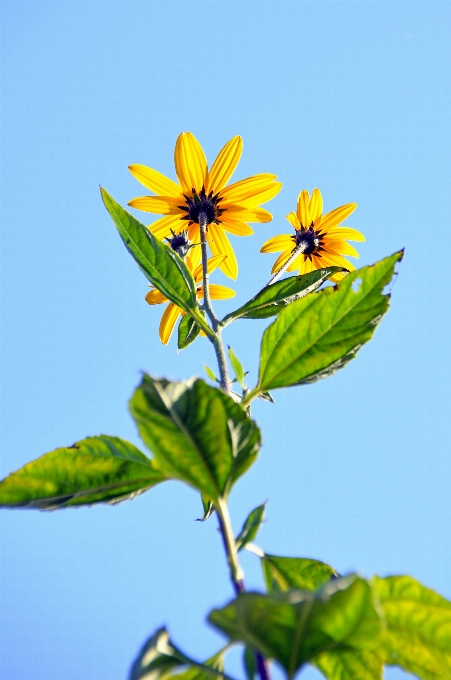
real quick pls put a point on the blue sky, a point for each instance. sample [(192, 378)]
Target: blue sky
[(349, 97)]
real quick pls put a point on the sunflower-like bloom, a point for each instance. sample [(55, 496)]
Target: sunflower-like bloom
[(172, 312), (322, 238), (227, 208)]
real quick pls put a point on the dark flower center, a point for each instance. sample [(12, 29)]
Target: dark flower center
[(202, 203), (309, 241), (180, 243)]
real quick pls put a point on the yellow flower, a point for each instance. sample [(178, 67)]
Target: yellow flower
[(228, 208), (172, 312), (323, 239)]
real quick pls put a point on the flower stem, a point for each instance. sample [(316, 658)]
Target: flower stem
[(216, 338), (297, 251)]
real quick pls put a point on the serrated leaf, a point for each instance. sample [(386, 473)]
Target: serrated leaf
[(237, 367), (350, 665), (251, 527), (210, 374), (188, 331), (418, 635), (288, 573), (158, 262), (197, 433), (160, 658), (99, 469), (271, 300), (295, 627), (315, 336)]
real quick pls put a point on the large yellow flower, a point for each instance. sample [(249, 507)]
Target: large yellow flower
[(172, 312), (322, 237), (228, 208)]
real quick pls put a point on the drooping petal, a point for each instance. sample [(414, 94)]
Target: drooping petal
[(238, 212), (168, 321), (293, 220), (341, 247), (316, 205), (248, 188), (212, 264), (190, 163), (162, 228), (304, 266), (155, 181), (337, 260), (224, 165), (195, 253), (236, 226), (154, 297), (345, 233), (220, 245), (161, 205), (218, 292), (334, 217), (281, 260), (278, 243), (302, 210)]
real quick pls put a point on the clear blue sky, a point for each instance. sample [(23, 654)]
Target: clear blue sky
[(350, 97)]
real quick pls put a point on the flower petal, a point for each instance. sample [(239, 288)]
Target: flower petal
[(337, 261), (243, 214), (155, 181), (162, 227), (283, 257), (154, 297), (334, 217), (212, 264), (264, 195), (168, 321), (220, 245), (162, 205), (236, 227), (224, 165), (278, 243), (304, 265), (248, 188), (341, 247), (302, 210), (316, 205), (190, 163), (218, 292), (293, 220), (345, 233)]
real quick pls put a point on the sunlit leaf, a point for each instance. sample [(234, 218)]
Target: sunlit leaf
[(315, 336), (237, 367), (418, 636), (271, 300), (94, 470), (288, 573), (350, 664), (197, 433), (210, 374), (188, 331), (251, 527), (158, 262), (296, 626)]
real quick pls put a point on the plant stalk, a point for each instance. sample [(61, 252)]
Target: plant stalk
[(297, 251)]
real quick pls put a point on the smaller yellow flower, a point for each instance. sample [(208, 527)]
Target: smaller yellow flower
[(172, 312), (322, 237)]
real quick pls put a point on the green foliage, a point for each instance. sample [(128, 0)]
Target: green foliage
[(159, 658), (94, 470), (197, 433), (210, 374), (315, 336), (251, 527), (272, 299), (287, 573), (296, 626), (188, 331), (347, 664), (418, 635), (237, 367), (158, 262)]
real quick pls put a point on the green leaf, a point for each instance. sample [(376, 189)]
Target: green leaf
[(188, 331), (294, 627), (158, 262), (197, 433), (271, 300), (314, 337), (288, 573), (159, 658), (237, 367), (266, 396), (250, 663), (418, 635), (251, 527), (208, 508), (349, 664), (94, 470), (211, 375)]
